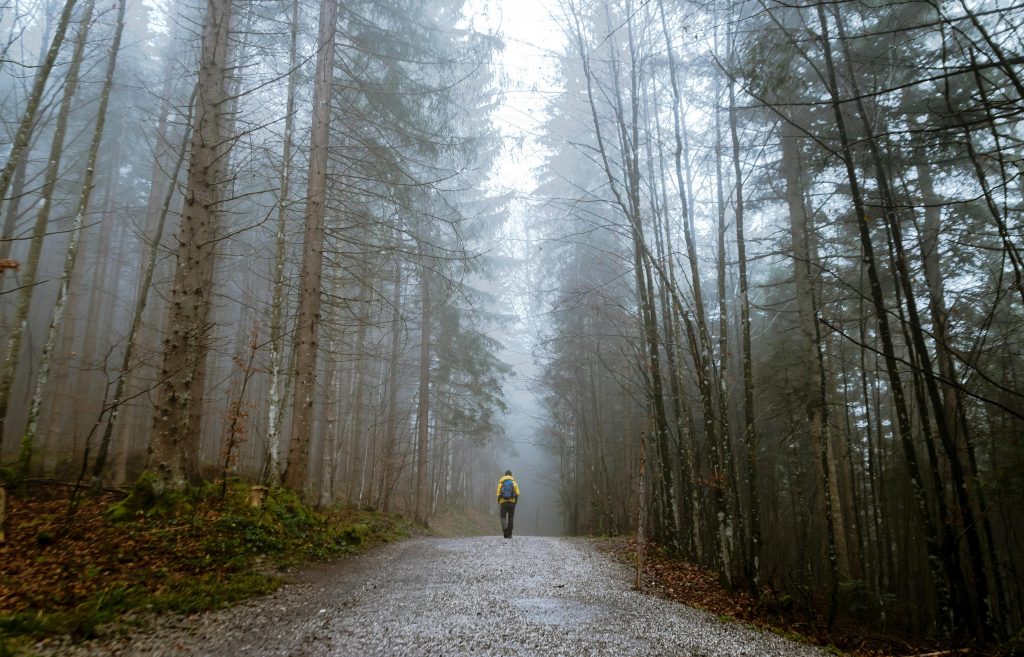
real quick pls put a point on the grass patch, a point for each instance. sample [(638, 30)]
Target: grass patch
[(144, 554)]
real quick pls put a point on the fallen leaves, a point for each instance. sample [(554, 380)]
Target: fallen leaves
[(44, 566), (195, 552), (674, 579)]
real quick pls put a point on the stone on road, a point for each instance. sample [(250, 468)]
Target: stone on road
[(527, 596)]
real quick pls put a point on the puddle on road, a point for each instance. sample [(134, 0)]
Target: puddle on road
[(557, 611)]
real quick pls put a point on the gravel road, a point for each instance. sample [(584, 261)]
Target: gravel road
[(478, 597)]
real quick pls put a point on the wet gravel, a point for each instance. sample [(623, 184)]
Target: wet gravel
[(479, 597)]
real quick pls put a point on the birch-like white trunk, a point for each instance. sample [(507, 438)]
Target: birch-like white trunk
[(272, 467), (29, 277), (56, 321)]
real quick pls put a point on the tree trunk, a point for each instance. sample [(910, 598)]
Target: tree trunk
[(271, 474), (978, 618), (700, 338), (730, 481), (641, 514), (815, 395), (749, 429), (359, 439), (188, 310), (307, 324), (28, 279), (422, 503), (390, 470), (56, 321), (952, 394)]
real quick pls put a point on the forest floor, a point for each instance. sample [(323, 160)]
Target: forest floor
[(113, 565), (114, 569), (674, 579)]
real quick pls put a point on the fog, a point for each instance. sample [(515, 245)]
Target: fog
[(742, 278)]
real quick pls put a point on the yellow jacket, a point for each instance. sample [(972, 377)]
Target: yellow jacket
[(514, 486)]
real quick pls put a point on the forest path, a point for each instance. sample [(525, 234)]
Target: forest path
[(483, 596)]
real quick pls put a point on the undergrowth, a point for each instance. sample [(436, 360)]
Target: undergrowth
[(120, 560)]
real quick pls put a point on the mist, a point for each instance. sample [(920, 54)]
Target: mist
[(742, 280)]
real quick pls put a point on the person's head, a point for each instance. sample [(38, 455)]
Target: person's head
[(508, 473)]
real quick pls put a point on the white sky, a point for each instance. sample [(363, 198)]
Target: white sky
[(530, 37)]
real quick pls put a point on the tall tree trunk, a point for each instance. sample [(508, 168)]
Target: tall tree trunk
[(329, 460), (628, 201), (390, 469), (749, 428), (56, 321), (422, 502), (271, 474), (189, 305), (307, 324), (981, 618), (158, 203), (700, 338), (686, 444), (28, 280), (730, 481), (360, 439), (641, 514), (952, 394)]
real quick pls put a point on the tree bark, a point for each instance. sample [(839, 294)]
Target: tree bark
[(422, 502), (141, 300), (57, 319), (307, 324), (815, 396), (749, 428), (28, 280), (390, 475), (271, 474), (188, 311)]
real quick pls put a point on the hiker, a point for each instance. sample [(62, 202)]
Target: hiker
[(508, 495)]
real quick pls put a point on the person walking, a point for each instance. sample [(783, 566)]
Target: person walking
[(508, 496)]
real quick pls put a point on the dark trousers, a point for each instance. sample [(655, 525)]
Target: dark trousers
[(508, 512)]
